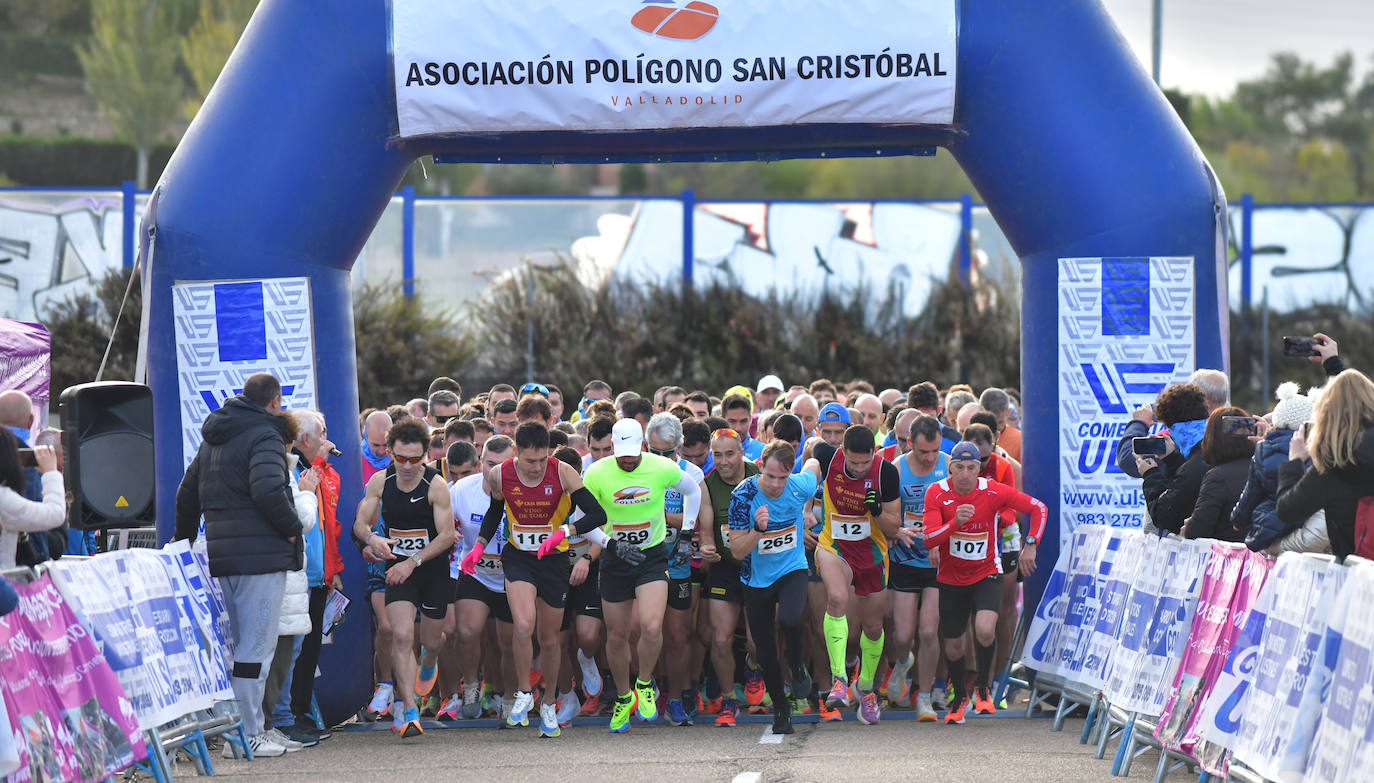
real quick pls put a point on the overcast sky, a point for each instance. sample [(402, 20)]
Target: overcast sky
[(1210, 45)]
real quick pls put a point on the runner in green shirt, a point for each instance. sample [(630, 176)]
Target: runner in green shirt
[(631, 490)]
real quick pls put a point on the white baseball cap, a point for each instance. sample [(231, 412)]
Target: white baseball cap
[(628, 438), (770, 382)]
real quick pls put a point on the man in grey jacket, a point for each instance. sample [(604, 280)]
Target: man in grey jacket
[(238, 482)]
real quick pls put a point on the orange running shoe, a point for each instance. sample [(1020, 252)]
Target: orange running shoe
[(592, 705), (712, 706), (727, 713), (753, 688), (956, 712), (829, 712), (982, 702)]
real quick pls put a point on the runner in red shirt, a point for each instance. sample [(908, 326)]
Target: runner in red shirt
[(963, 523)]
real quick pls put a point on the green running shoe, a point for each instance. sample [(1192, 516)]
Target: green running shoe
[(620, 713), (644, 693)]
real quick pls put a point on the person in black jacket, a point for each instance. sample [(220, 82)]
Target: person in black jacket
[(1342, 472), (1227, 457), (1171, 486), (238, 481)]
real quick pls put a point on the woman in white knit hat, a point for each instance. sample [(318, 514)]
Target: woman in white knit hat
[(1255, 513)]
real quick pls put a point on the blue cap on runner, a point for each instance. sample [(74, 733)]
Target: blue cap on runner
[(833, 411), (963, 450)]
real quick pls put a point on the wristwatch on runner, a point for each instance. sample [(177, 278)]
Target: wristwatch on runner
[(415, 558), (1031, 541)]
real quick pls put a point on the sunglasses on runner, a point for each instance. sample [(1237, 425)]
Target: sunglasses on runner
[(726, 432), (663, 452), (408, 460)]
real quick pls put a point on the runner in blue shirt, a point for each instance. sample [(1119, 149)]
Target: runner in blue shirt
[(766, 533), (911, 576), (738, 412)]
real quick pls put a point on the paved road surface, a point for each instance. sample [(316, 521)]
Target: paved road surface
[(997, 750)]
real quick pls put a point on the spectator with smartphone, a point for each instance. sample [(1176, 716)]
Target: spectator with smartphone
[(1340, 443), (1216, 391), (1171, 484), (18, 514), (1255, 516), (1227, 447), (37, 546)]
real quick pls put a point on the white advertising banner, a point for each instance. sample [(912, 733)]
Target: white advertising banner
[(1342, 750), (229, 330), (1279, 717), (617, 65), (1125, 332)]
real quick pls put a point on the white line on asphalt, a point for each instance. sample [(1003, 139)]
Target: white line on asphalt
[(747, 777), (769, 738)]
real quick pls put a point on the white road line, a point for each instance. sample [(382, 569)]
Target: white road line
[(769, 738), (747, 777)]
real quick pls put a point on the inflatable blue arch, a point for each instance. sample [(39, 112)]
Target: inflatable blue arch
[(295, 155)]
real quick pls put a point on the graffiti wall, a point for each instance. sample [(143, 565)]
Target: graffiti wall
[(57, 243), (1308, 255), (54, 244)]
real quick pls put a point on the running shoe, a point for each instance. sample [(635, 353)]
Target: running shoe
[(548, 721), (925, 712), (472, 701), (451, 707), (620, 714), (591, 674), (568, 707), (712, 706), (644, 696), (398, 719), (689, 703), (429, 707), (897, 687), (503, 706), (677, 716), (491, 702), (839, 693), (830, 712), (868, 709), (536, 676), (592, 706), (381, 699), (412, 725), (519, 714), (729, 709), (762, 707), (425, 676), (261, 745), (297, 734), (801, 706), (956, 712), (753, 688), (279, 737), (982, 702), (940, 697)]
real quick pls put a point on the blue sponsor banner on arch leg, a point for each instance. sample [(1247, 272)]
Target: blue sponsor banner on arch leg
[(1126, 330), (230, 329)]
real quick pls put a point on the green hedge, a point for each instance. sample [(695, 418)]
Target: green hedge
[(75, 162), (28, 53)]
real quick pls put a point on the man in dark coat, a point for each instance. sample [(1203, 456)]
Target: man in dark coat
[(238, 481)]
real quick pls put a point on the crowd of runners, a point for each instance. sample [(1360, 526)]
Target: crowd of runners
[(682, 558)]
